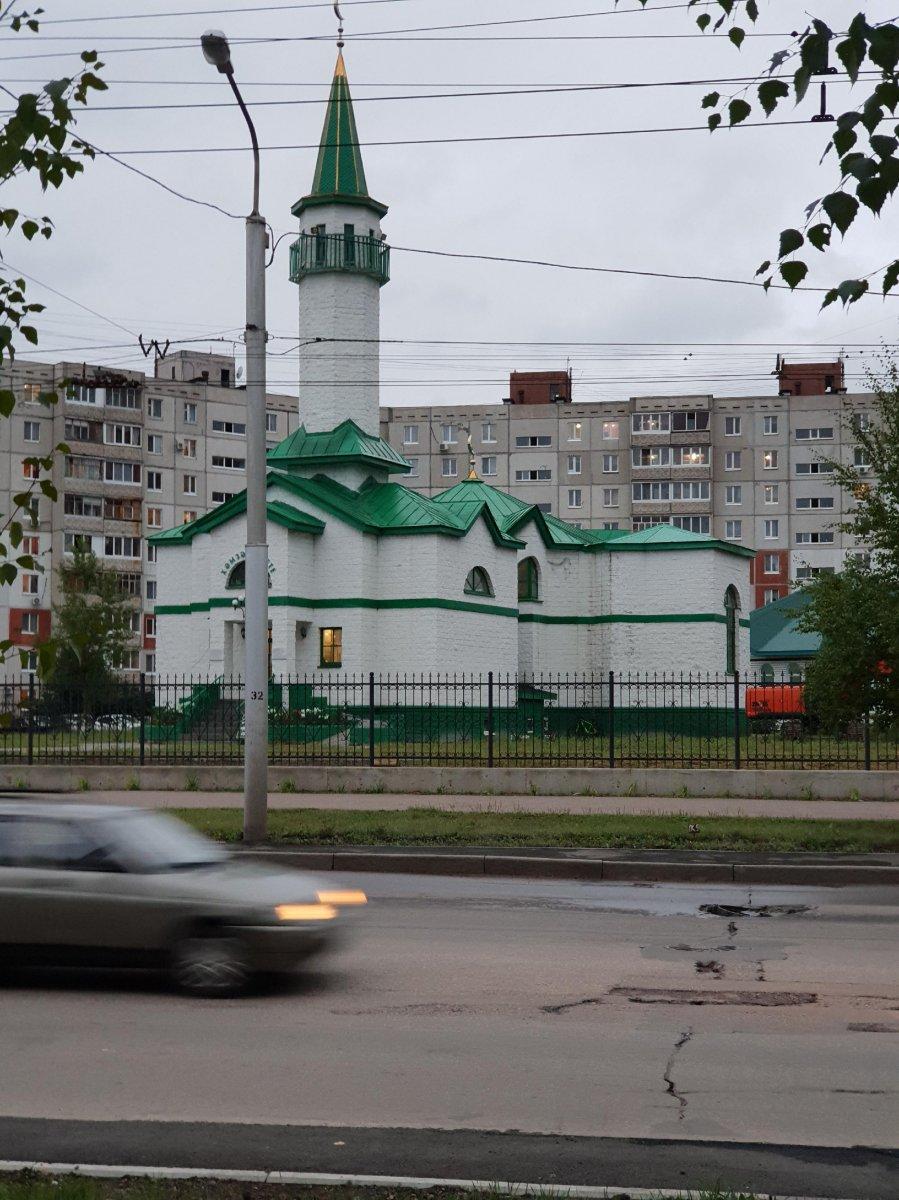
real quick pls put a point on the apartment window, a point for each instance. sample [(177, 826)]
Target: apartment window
[(529, 441), (154, 443), (814, 538), (29, 622), (769, 425), (410, 435), (151, 589), (121, 435), (150, 627), (188, 516), (813, 468), (574, 464), (533, 475), (122, 510), (150, 663), (129, 583), (76, 541), (121, 472), (691, 524), (769, 595), (771, 564), (154, 407), (576, 430), (733, 530), (222, 497), (733, 493), (449, 468), (575, 498), (33, 508), (154, 518), (859, 459), (189, 448), (128, 660), (31, 393), (32, 431), (189, 485), (226, 462), (822, 433), (271, 422), (862, 421), (808, 572), (651, 422), (691, 489), (610, 464), (32, 546), (769, 460), (732, 426), (413, 466), (83, 393), (611, 430), (237, 428), (122, 547), (772, 493), (488, 465), (331, 647), (610, 497), (30, 584), (448, 434), (772, 530), (687, 422), (805, 502), (544, 508), (610, 525), (488, 432), (82, 506), (646, 456), (154, 481), (733, 460), (190, 413), (122, 397), (643, 492), (77, 431), (151, 553), (30, 470)]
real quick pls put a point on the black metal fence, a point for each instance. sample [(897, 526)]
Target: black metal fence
[(491, 720)]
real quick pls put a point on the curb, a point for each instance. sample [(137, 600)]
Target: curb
[(584, 870), (410, 1182)]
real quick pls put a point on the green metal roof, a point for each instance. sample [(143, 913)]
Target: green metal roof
[(669, 537), (346, 443), (339, 173), (773, 632), (278, 512)]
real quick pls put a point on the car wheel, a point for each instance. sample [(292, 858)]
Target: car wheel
[(210, 964)]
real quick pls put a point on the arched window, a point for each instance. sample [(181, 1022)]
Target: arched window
[(795, 672), (767, 673), (528, 579), (477, 583), (238, 576), (732, 621)]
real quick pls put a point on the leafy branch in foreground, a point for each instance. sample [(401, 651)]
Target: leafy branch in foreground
[(864, 139)]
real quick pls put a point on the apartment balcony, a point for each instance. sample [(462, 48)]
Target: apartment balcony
[(317, 253)]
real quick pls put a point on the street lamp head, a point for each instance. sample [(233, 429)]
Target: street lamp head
[(217, 51)]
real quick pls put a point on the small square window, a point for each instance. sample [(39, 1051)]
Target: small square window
[(190, 485), (331, 646), (733, 530), (151, 589), (610, 497), (611, 430), (151, 553), (769, 460), (190, 413), (733, 493), (769, 425), (154, 443), (189, 447), (448, 433), (769, 595), (449, 468), (413, 466), (488, 432), (574, 464), (575, 498), (154, 481), (772, 530), (154, 518), (771, 564), (488, 465), (610, 464), (772, 493), (187, 516), (271, 422), (733, 460), (575, 431), (732, 426), (32, 431), (410, 435), (154, 407)]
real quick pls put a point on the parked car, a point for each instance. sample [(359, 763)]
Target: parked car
[(103, 885)]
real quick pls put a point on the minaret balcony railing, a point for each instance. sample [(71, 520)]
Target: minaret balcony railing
[(314, 253)]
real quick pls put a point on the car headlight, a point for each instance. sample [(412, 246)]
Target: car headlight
[(342, 899), (305, 912)]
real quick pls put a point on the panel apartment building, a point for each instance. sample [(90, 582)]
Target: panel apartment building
[(145, 453), (746, 469)]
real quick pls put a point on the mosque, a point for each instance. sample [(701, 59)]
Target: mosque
[(366, 575)]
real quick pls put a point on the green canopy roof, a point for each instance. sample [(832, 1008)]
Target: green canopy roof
[(669, 537), (346, 443), (339, 173), (773, 630), (277, 511)]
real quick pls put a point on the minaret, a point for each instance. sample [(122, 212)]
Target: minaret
[(340, 262)]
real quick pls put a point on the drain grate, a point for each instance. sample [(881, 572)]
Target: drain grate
[(754, 910), (696, 997)]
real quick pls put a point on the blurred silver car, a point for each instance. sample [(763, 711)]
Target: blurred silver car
[(104, 886)]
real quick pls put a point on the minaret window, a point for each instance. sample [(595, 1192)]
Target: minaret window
[(349, 245), (321, 244)]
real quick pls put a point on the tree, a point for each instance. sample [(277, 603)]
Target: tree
[(863, 141), (37, 140), (93, 628)]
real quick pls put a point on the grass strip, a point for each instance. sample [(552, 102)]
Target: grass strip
[(435, 827), (31, 1187)]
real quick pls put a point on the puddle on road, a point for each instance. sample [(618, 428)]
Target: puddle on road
[(697, 997), (755, 910)]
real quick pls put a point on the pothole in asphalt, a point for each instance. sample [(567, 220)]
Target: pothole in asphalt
[(697, 997), (754, 910)]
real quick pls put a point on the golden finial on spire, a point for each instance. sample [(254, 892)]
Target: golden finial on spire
[(472, 472)]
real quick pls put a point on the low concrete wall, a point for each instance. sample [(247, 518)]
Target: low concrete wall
[(474, 781)]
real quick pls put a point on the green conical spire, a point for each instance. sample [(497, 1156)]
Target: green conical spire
[(339, 173)]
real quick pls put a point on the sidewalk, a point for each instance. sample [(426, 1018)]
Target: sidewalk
[(811, 810)]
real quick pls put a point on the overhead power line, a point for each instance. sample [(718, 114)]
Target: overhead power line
[(202, 12)]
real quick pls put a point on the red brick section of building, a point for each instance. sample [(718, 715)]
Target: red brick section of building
[(540, 387), (810, 379), (763, 581), (17, 619)]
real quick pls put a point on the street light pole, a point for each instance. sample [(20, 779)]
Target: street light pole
[(256, 672)]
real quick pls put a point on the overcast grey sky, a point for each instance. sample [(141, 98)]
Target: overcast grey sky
[(683, 202)]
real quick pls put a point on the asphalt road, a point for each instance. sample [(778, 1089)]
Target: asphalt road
[(625, 1037)]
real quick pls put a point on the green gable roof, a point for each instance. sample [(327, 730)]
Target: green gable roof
[(339, 173), (773, 632), (347, 443), (278, 513), (669, 537)]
